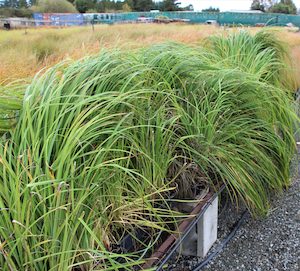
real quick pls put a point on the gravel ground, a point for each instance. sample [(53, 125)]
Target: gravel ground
[(268, 244)]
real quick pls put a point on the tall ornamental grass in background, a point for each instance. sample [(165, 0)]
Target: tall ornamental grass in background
[(262, 54), (101, 145)]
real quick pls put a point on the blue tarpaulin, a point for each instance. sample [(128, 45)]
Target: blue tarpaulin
[(58, 19)]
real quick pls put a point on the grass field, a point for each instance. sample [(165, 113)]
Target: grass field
[(23, 54)]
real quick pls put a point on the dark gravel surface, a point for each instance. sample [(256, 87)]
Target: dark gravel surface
[(268, 244)]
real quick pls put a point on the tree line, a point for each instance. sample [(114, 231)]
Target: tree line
[(25, 8), (84, 6), (275, 6)]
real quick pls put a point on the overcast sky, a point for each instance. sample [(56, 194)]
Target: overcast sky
[(223, 5)]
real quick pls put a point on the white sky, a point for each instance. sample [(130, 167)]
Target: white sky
[(223, 5)]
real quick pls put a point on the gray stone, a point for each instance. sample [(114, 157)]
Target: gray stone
[(297, 216)]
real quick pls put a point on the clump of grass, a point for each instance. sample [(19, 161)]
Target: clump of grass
[(45, 47), (262, 54), (102, 143), (229, 121), (87, 171)]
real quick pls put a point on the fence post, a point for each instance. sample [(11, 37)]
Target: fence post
[(93, 27)]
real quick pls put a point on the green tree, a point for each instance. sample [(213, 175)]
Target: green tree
[(22, 4), (126, 7), (292, 6), (108, 5), (211, 9), (99, 6), (119, 5), (55, 6), (258, 5), (142, 5), (284, 6), (263, 5), (170, 5), (84, 5), (130, 3), (15, 12)]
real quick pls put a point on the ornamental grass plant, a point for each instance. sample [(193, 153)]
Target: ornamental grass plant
[(101, 146)]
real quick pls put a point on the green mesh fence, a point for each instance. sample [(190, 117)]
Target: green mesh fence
[(223, 18)]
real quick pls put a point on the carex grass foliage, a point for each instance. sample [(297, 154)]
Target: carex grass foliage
[(101, 145), (262, 54)]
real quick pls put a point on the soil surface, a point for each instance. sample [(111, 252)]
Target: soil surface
[(267, 244)]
